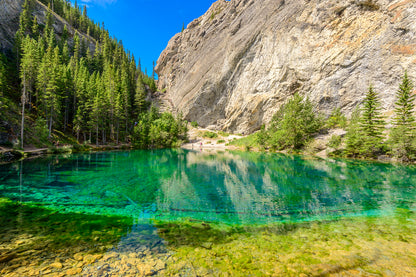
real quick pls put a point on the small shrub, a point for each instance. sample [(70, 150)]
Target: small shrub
[(294, 124), (335, 141), (220, 141), (60, 150), (250, 140), (194, 124), (336, 120), (223, 134), (17, 145), (208, 134), (41, 130), (262, 137), (80, 148)]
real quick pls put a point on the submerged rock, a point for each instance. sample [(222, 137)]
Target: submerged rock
[(12, 155)]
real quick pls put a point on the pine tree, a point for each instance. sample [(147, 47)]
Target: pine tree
[(109, 76), (78, 122), (98, 61), (118, 113), (402, 135), (51, 42), (353, 136), (294, 124), (25, 18), (35, 27), (83, 48), (140, 97), (125, 98), (80, 101), (49, 22), (28, 67), (64, 36), (65, 54), (84, 11), (67, 90), (405, 104), (97, 109), (371, 124), (51, 96), (77, 48)]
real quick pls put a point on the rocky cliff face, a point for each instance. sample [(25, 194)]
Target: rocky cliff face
[(9, 21), (233, 67)]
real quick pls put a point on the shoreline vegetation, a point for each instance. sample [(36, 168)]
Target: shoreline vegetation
[(299, 128), (205, 140)]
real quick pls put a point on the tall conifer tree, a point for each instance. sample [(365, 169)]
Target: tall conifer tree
[(28, 67), (402, 135), (371, 124)]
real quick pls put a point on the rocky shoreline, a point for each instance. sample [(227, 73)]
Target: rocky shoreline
[(8, 155)]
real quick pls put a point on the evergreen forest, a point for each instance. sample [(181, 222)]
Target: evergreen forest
[(78, 84)]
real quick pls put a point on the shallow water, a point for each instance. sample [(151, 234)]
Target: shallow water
[(123, 213)]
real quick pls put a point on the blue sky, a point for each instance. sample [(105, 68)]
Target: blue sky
[(145, 26)]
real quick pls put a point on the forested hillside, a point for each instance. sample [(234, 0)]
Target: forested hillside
[(81, 83)]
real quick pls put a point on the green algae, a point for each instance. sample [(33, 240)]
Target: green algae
[(374, 245), (35, 233)]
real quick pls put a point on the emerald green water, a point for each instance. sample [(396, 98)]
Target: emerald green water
[(229, 187)]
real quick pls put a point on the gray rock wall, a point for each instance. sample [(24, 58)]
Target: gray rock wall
[(233, 67), (9, 22)]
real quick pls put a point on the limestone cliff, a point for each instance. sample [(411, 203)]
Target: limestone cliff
[(233, 67)]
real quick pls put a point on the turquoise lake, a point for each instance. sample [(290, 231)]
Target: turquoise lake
[(226, 187), (188, 213)]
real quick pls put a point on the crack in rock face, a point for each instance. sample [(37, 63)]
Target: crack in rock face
[(232, 68)]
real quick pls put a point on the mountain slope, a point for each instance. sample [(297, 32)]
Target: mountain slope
[(233, 67), (9, 22)]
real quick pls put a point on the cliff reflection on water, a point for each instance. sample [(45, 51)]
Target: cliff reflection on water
[(263, 188), (228, 187)]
